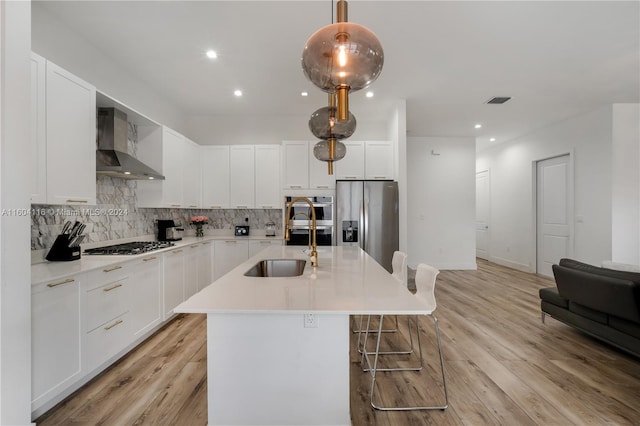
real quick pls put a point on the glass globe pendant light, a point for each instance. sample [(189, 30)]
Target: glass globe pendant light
[(342, 58), (323, 125)]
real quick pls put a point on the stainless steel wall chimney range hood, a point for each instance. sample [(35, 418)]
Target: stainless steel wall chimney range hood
[(112, 156)]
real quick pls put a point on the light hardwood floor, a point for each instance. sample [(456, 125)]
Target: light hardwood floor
[(502, 367)]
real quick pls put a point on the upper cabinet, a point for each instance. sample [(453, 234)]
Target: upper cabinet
[(352, 165), (370, 160), (38, 130), (215, 176), (64, 136), (242, 175), (267, 174), (192, 179), (301, 170), (295, 159), (162, 149)]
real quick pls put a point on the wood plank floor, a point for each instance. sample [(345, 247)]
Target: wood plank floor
[(503, 366)]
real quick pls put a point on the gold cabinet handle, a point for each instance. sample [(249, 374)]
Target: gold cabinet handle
[(241, 207), (115, 268), (176, 251), (113, 287), (267, 207), (195, 246), (147, 259), (192, 206), (323, 186), (67, 281), (379, 177), (230, 241), (295, 186), (77, 201), (215, 207), (174, 205), (109, 327)]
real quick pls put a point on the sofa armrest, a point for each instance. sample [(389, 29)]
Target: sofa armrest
[(613, 296)]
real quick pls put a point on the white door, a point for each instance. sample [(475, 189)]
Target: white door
[(483, 204), (554, 200)]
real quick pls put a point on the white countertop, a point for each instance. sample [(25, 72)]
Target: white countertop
[(347, 281), (47, 271)]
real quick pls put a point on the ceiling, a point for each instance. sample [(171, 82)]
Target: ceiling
[(555, 59)]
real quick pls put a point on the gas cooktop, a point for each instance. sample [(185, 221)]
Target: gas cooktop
[(134, 247)]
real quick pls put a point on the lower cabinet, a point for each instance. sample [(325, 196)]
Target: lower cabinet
[(56, 336), (146, 294), (106, 305), (228, 254), (173, 279), (256, 246), (204, 265)]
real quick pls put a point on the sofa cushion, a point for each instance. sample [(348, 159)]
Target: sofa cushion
[(586, 312), (623, 275), (625, 326), (606, 293), (550, 294)]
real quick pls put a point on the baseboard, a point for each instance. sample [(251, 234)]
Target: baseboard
[(511, 264)]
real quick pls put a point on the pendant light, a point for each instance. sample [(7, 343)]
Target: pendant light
[(324, 125), (342, 58)]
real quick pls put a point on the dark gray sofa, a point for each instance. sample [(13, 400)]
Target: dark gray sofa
[(604, 303)]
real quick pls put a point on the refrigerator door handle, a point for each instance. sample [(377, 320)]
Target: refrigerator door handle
[(365, 244), (361, 230)]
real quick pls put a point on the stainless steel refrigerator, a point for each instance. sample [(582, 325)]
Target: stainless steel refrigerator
[(367, 216)]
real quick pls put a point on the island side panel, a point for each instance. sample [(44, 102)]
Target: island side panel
[(270, 369)]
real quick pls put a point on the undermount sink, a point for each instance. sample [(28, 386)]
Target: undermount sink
[(277, 268)]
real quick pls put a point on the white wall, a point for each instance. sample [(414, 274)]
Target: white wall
[(625, 214), (15, 166), (588, 138), (251, 129), (59, 44), (441, 202)]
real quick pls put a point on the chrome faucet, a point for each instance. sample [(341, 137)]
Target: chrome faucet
[(287, 229)]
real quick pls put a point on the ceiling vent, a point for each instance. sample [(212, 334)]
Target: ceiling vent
[(499, 100)]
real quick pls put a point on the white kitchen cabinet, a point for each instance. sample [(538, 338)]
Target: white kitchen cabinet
[(256, 246), (192, 181), (146, 297), (56, 336), (161, 149), (352, 165), (38, 173), (228, 254), (241, 176), (378, 160), (173, 280), (267, 177), (106, 320), (295, 162), (204, 255), (215, 176), (197, 268), (319, 177), (70, 138)]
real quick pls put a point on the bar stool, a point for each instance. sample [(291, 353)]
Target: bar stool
[(399, 272), (425, 285)]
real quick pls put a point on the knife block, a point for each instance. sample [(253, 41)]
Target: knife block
[(60, 251)]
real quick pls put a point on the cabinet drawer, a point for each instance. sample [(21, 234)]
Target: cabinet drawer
[(107, 274), (107, 302), (107, 340)]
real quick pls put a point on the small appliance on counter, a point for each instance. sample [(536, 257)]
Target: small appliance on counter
[(270, 229), (66, 247), (242, 231), (168, 231)]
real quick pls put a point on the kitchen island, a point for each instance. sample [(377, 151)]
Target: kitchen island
[(268, 361)]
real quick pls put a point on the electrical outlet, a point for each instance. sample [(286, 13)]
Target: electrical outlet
[(310, 321)]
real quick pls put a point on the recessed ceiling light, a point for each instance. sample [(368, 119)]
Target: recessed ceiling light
[(127, 173), (151, 177), (478, 126), (238, 93), (492, 139), (369, 95), (211, 54), (304, 94)]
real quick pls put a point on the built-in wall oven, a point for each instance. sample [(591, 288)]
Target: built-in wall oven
[(300, 220)]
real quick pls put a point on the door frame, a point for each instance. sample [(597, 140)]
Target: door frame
[(534, 206), (488, 172)]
